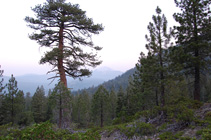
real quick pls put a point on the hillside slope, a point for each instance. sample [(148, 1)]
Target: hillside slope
[(189, 124), (121, 80)]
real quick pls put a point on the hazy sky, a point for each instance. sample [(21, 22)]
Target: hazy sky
[(123, 39)]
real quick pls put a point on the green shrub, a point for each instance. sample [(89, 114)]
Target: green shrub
[(208, 116), (62, 133), (184, 114), (196, 104), (129, 131), (4, 129), (181, 111), (137, 115), (145, 128), (124, 119), (199, 132), (8, 131), (166, 136), (187, 138), (81, 136), (205, 133), (151, 113), (116, 121), (171, 136), (39, 131), (139, 128), (163, 126)]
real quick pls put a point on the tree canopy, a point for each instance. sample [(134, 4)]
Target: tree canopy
[(193, 34), (66, 29)]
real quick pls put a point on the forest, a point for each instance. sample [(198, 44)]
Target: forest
[(167, 95)]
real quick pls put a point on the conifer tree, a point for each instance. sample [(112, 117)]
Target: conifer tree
[(159, 40), (66, 29), (61, 99), (10, 97), (49, 113), (100, 106), (82, 109), (39, 105), (1, 81), (1, 97), (120, 110), (28, 100), (113, 103), (28, 115), (134, 100), (153, 70), (193, 34), (20, 108), (146, 82)]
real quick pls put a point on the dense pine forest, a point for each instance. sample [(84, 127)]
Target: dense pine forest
[(166, 96)]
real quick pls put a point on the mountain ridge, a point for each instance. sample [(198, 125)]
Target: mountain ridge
[(30, 82), (116, 83)]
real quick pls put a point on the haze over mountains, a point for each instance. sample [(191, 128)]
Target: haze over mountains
[(30, 82), (115, 83)]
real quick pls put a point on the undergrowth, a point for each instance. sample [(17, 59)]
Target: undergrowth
[(179, 111), (44, 131)]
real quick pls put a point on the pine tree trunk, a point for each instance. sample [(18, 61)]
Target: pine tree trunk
[(60, 111), (197, 84), (196, 74), (156, 97), (12, 112), (61, 71), (162, 88), (60, 58), (101, 115), (79, 116)]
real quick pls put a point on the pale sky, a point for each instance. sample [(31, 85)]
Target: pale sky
[(123, 38)]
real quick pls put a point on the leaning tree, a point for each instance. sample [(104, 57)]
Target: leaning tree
[(67, 31)]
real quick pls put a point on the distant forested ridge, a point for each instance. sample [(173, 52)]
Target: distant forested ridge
[(29, 82), (116, 83)]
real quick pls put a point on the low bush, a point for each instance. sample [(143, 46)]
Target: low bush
[(39, 131), (208, 116), (204, 133), (44, 131)]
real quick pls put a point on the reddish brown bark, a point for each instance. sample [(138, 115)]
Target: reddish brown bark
[(60, 58), (61, 70)]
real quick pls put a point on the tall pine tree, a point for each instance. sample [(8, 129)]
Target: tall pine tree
[(82, 109), (1, 96), (152, 70), (194, 35), (39, 105), (20, 108), (66, 29), (112, 103), (100, 106), (148, 76), (1, 81), (10, 97), (121, 108), (61, 99)]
